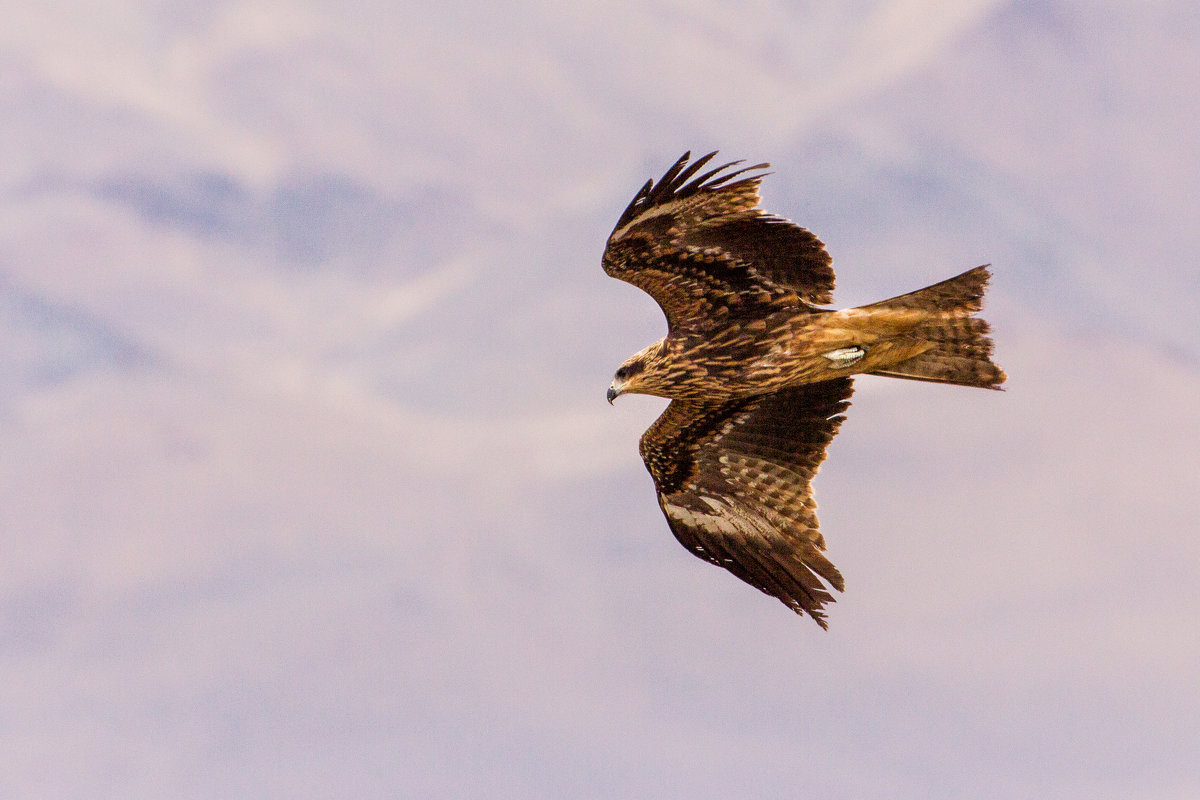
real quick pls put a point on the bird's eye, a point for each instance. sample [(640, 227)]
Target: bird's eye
[(627, 371)]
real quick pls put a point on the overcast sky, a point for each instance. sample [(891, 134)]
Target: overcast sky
[(308, 487)]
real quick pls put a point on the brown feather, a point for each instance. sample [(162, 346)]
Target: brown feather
[(959, 350), (758, 375)]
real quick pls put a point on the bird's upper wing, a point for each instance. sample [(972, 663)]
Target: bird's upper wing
[(701, 247), (733, 479)]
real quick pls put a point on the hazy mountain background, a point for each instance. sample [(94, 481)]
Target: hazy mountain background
[(308, 487)]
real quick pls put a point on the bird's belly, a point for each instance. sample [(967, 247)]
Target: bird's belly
[(791, 352), (833, 345)]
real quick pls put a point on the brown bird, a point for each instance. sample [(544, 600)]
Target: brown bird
[(758, 374)]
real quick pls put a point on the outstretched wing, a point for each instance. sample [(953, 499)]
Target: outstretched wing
[(733, 480), (701, 247)]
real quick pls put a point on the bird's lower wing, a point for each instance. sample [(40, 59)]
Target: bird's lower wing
[(734, 481)]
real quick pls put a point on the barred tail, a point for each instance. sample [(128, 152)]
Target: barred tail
[(961, 350)]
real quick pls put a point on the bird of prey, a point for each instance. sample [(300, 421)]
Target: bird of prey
[(758, 374)]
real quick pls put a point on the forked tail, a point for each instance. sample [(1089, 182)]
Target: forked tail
[(960, 350)]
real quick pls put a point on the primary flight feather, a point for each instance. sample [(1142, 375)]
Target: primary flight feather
[(758, 374)]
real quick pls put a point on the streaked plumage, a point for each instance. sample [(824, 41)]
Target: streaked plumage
[(758, 374)]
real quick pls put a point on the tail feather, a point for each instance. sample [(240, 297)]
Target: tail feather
[(960, 349)]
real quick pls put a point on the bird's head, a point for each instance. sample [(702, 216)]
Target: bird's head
[(638, 374)]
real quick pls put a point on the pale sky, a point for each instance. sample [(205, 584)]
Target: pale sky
[(308, 487)]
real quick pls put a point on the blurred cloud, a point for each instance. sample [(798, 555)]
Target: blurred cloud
[(308, 488)]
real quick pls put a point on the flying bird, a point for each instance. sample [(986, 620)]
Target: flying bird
[(758, 374)]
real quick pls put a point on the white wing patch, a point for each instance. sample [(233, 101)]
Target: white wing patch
[(713, 523), (728, 519), (845, 356)]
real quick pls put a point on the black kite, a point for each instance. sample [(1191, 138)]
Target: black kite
[(758, 375)]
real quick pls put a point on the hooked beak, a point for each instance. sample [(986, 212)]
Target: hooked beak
[(612, 393)]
